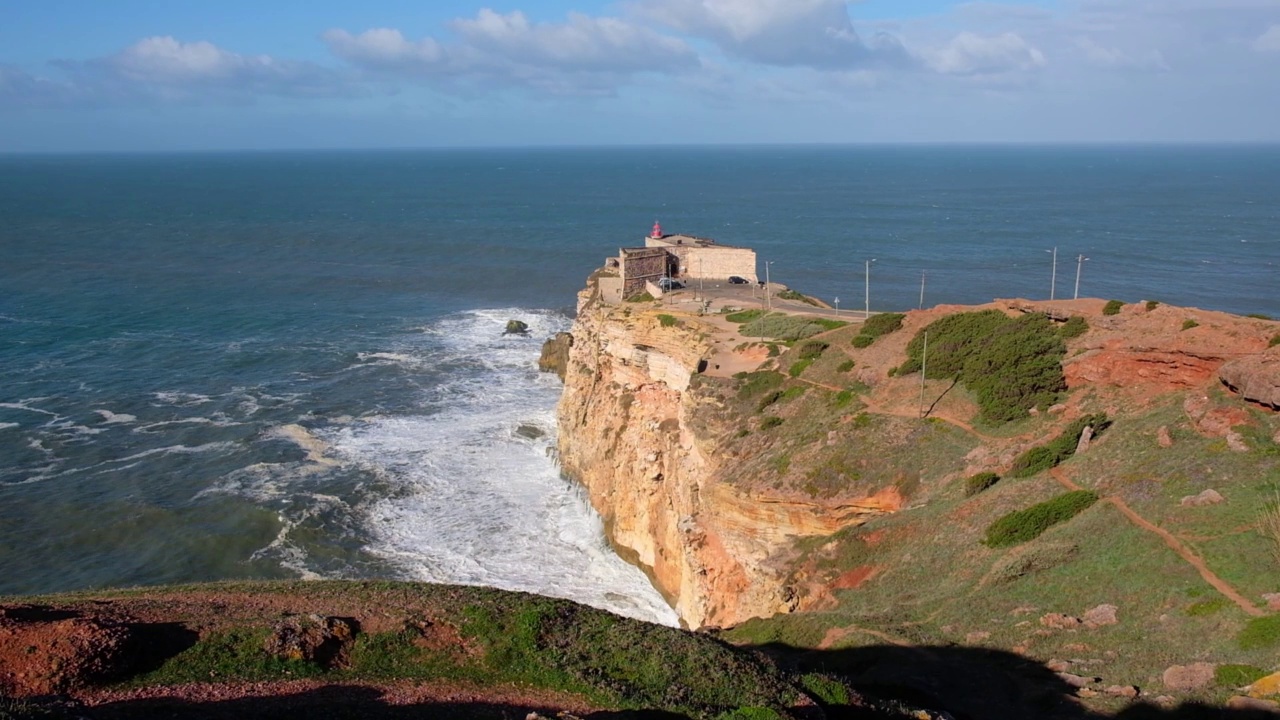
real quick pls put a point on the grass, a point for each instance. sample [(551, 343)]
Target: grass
[(1234, 675), (798, 367), (1152, 305), (1208, 607), (785, 327), (768, 422), (1023, 525), (1053, 453), (1259, 316), (800, 297), (757, 383), (668, 320), (1112, 307), (1189, 323), (640, 297), (1275, 340), (1268, 525), (744, 316), (1260, 633)]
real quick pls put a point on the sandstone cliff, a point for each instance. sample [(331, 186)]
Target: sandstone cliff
[(638, 429)]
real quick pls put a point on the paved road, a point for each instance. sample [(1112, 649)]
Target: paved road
[(721, 295)]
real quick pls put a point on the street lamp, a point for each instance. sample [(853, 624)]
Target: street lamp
[(1053, 281), (768, 297), (867, 283), (1079, 263), (837, 307)]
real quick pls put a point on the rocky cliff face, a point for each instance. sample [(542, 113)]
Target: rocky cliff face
[(635, 430)]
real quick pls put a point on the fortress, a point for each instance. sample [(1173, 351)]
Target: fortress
[(680, 257)]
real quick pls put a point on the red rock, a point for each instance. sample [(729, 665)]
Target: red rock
[(1188, 677), (1208, 497), (1273, 601), (1077, 681), (1163, 438), (1101, 615), (1127, 691), (1255, 377)]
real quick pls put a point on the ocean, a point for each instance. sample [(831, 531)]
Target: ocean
[(283, 365)]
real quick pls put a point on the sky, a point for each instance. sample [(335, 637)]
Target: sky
[(159, 75)]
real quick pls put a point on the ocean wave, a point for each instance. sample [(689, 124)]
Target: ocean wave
[(181, 399), (110, 418), (7, 426)]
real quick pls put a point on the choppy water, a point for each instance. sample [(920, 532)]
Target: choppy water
[(283, 365)]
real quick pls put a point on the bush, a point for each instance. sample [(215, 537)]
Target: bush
[(1023, 525), (1258, 316), (1010, 364), (882, 324), (782, 327), (768, 400), (845, 366), (1263, 632), (745, 316), (667, 320), (975, 484), (1189, 323), (1053, 453), (1208, 607), (1112, 307), (641, 297), (1073, 328), (827, 689), (759, 382), (862, 341), (769, 422), (813, 349), (799, 367), (1234, 676), (1152, 305), (1275, 340), (1037, 558), (793, 295), (842, 398)]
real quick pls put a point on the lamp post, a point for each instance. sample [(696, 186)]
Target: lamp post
[(867, 284), (921, 305), (837, 301), (1079, 263), (768, 296), (1053, 280)]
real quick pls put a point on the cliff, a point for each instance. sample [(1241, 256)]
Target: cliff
[(655, 444)]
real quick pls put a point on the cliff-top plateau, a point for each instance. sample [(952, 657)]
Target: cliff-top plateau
[(1023, 509)]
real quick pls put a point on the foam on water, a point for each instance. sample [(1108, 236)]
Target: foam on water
[(110, 418), (472, 501)]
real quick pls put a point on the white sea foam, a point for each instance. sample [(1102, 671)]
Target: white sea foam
[(110, 418), (474, 502), (6, 426), (181, 399)]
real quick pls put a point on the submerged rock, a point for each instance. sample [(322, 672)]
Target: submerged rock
[(516, 327)]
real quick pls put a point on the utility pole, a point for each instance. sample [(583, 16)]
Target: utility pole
[(1053, 281), (924, 369), (867, 284), (921, 305), (1079, 263), (701, 291)]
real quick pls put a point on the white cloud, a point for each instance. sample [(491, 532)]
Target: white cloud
[(1269, 41), (813, 33), (583, 55), (972, 54)]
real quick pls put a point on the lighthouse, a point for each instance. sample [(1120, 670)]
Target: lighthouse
[(657, 230)]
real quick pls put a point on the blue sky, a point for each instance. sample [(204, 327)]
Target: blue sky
[(83, 75)]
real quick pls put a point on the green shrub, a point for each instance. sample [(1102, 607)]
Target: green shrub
[(774, 350), (1263, 632), (1073, 327), (641, 297), (745, 316), (1258, 316), (1189, 323), (1234, 676), (827, 689), (842, 398), (667, 320), (813, 349), (768, 400), (793, 295), (1023, 525), (882, 324), (845, 366), (1112, 307), (798, 367), (1152, 305), (750, 713), (1036, 558), (1208, 607), (769, 422), (975, 484), (793, 392), (1050, 455), (1010, 364), (862, 341), (829, 324), (755, 383), (742, 432), (782, 327)]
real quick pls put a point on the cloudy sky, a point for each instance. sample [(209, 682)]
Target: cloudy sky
[(164, 75)]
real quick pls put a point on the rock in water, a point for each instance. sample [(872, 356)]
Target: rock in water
[(555, 354), (517, 327)]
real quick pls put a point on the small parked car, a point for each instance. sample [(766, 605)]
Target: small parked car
[(667, 284), (737, 280)]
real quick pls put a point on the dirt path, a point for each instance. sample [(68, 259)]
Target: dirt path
[(1174, 544)]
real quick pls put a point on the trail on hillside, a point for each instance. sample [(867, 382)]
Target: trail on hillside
[(1174, 544)]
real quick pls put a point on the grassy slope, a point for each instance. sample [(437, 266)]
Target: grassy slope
[(932, 582)]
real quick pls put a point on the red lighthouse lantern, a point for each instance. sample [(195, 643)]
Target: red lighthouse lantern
[(657, 230)]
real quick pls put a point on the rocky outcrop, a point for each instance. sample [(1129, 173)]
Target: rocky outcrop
[(1255, 377), (555, 354), (634, 430)]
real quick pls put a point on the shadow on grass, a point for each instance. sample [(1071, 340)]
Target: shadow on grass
[(974, 684)]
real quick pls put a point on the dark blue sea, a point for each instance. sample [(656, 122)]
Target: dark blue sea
[(292, 364)]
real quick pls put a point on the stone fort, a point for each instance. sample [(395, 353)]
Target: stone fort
[(680, 257)]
